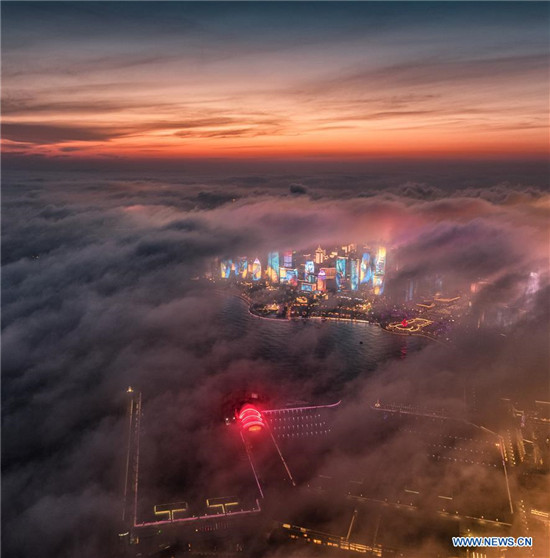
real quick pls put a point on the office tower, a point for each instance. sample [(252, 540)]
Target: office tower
[(365, 273), (256, 270), (273, 267), (354, 274)]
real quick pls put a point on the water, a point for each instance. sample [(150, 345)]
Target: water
[(330, 353)]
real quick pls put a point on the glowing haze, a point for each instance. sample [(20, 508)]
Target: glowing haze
[(274, 80)]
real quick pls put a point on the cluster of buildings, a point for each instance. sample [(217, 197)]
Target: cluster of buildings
[(342, 269)]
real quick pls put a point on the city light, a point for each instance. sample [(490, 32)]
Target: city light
[(251, 419)]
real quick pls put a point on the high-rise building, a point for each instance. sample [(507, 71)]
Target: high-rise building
[(322, 280), (354, 274), (365, 272), (380, 263), (242, 268), (330, 277), (273, 267), (340, 272), (287, 259), (349, 248), (256, 270), (379, 271), (309, 268), (320, 255), (225, 268), (330, 272)]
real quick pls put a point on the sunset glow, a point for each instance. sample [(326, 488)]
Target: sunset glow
[(275, 81)]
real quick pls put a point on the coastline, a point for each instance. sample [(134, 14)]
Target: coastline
[(248, 302)]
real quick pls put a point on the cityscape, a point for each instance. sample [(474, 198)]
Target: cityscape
[(341, 269), (349, 283), (275, 279), (279, 444), (500, 456)]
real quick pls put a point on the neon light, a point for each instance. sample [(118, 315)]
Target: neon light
[(251, 419)]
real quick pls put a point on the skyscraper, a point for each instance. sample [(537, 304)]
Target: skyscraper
[(241, 270), (225, 268), (354, 274), (379, 271), (340, 272), (256, 270), (365, 274), (287, 259), (273, 267), (322, 280), (320, 255)]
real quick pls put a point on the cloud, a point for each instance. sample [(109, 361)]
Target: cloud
[(50, 134), (296, 188), (99, 293)]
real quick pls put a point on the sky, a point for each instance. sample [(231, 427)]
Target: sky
[(339, 81)]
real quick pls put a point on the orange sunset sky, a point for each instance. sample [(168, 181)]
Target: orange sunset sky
[(340, 80)]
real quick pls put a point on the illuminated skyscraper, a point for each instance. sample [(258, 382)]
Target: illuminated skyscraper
[(225, 268), (287, 260), (340, 272), (309, 268), (273, 267), (379, 271), (354, 274), (320, 255), (322, 280), (380, 263), (378, 284), (242, 268), (365, 273), (256, 270)]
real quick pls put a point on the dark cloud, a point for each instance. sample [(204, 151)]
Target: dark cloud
[(296, 188), (47, 134)]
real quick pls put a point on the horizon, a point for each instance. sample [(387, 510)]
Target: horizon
[(112, 82)]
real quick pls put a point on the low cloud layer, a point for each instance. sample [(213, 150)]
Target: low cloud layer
[(99, 293)]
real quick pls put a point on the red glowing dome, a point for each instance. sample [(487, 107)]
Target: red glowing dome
[(250, 418)]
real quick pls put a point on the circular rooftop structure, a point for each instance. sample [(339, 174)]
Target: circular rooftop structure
[(250, 418)]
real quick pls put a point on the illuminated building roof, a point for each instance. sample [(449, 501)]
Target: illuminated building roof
[(250, 418)]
